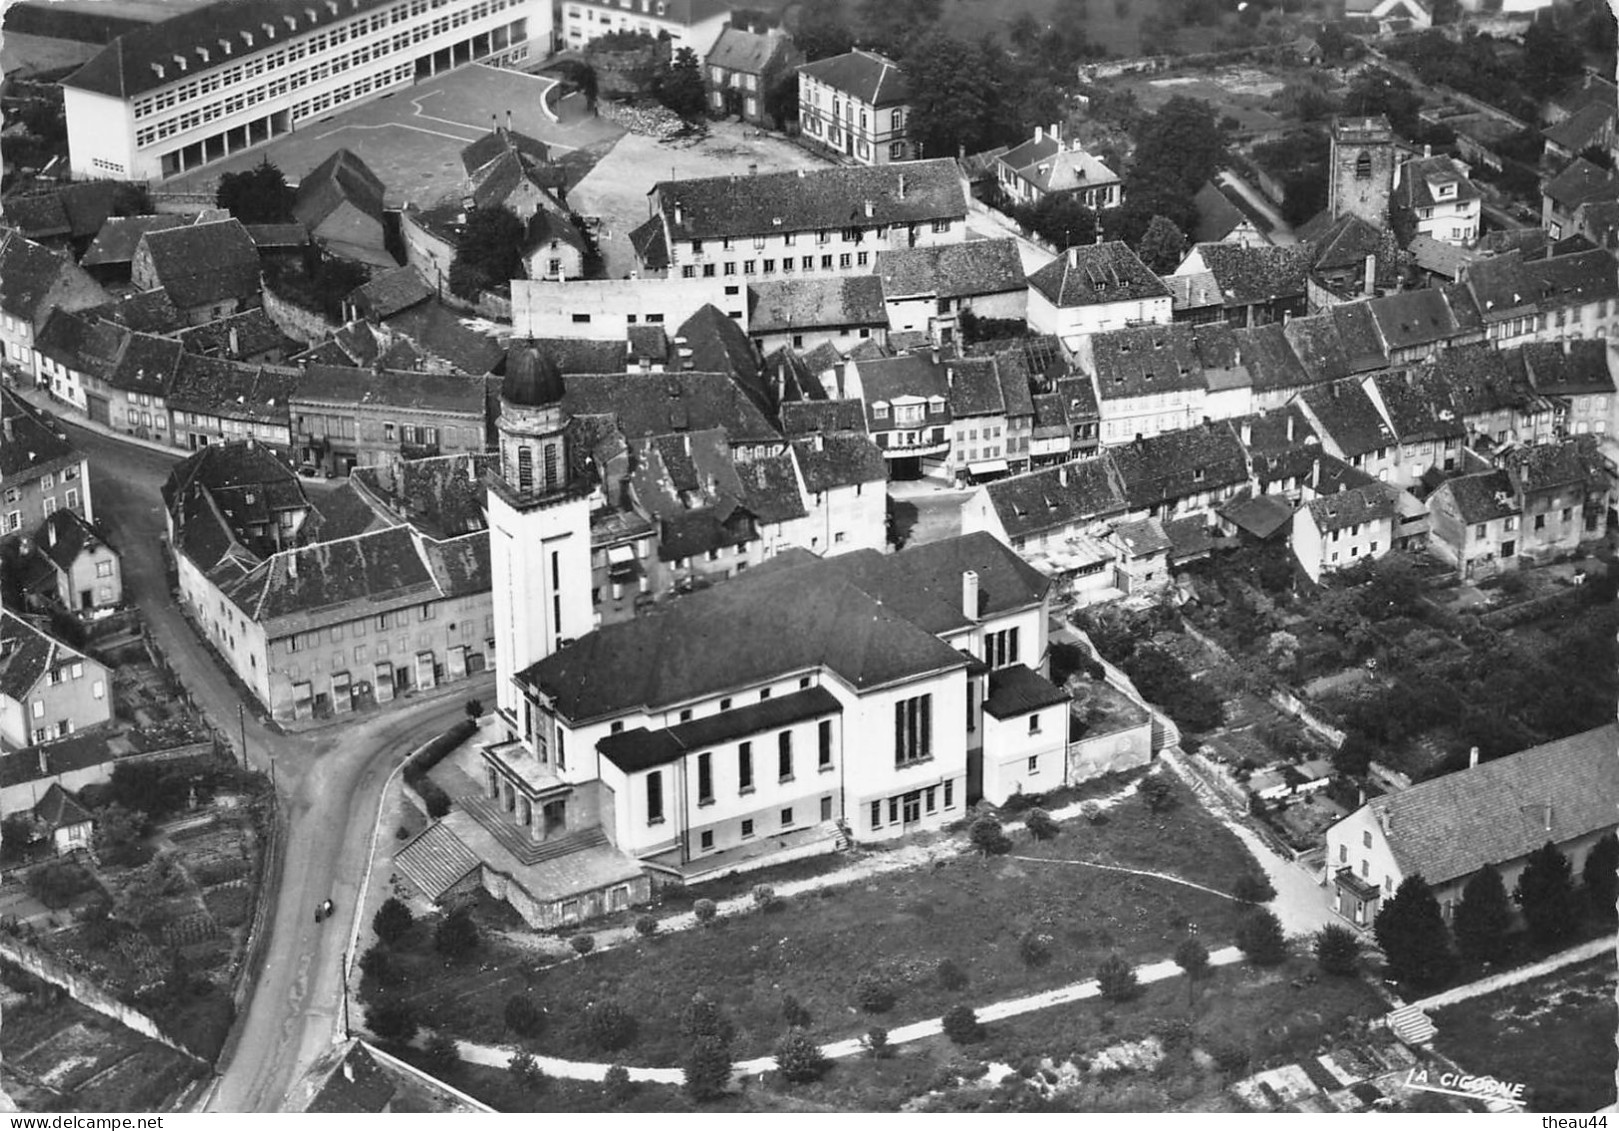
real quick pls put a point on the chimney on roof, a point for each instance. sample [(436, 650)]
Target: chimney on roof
[(1472, 758), (235, 342), (508, 121), (868, 210), (950, 374), (1039, 133), (292, 565), (679, 213), (1247, 433), (1548, 816), (5, 427), (902, 186), (50, 533), (44, 763), (1056, 131), (1062, 474), (819, 441), (348, 1071), (969, 594), (1290, 428)]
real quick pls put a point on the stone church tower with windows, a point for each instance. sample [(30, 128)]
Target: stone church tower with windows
[(539, 526), (1360, 178)]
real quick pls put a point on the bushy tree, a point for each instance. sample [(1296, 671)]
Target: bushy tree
[(823, 31), (873, 993), (524, 1016), (1040, 824), (379, 966), (259, 195), (952, 88), (988, 837), (1545, 892), (1337, 950), (680, 88), (707, 1068), (527, 1073), (393, 921), (951, 976), (1062, 220), (781, 100), (800, 1058), (1411, 933), (457, 937), (705, 910), (1162, 246), (1252, 887), (440, 1051), (393, 1019), (1483, 916), (703, 1018), (490, 252), (1601, 876), (875, 1042), (582, 944), (1260, 938), (617, 1085), (962, 1026), (118, 834), (1551, 57), (608, 1026), (646, 926), (1193, 959), (1376, 91), (1116, 979), (794, 1013)]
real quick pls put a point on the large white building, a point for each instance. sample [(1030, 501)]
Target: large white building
[(219, 79), (688, 23)]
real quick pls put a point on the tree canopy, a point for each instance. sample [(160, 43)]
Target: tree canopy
[(680, 88), (490, 251), (1483, 916), (1545, 892), (259, 195), (1162, 246), (1411, 933)]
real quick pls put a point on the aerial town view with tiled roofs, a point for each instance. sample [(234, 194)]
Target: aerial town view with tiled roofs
[(657, 555)]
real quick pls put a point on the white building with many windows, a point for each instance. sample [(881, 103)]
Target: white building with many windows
[(856, 104), (688, 23), (219, 79)]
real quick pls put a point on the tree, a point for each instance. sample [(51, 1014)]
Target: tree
[(1550, 57), (524, 1016), (378, 966), (1375, 91), (393, 1019), (987, 835), (1162, 246), (490, 251), (1337, 951), (608, 1026), (1060, 219), (1483, 916), (132, 199), (1545, 892), (822, 31), (1260, 938), (800, 1058), (583, 76), (1116, 979), (1354, 757), (259, 195), (457, 935), (393, 921), (703, 1018), (707, 1068), (1411, 933), (951, 91), (1193, 958), (680, 88), (617, 1085), (781, 99), (794, 1013), (527, 1073), (1178, 148), (440, 1052), (1601, 876), (118, 833), (1040, 824), (961, 1025)]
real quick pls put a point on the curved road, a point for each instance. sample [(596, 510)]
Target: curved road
[(329, 782)]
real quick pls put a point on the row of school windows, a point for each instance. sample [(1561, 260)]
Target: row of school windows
[(269, 61)]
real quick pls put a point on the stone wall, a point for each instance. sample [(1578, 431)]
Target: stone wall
[(296, 322), (627, 73)]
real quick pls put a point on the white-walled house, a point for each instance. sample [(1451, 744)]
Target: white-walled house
[(1441, 199), (1563, 792), (48, 690), (1093, 288), (1026, 728), (1333, 532)]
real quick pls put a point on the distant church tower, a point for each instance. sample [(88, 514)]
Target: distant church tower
[(539, 526), (1361, 174)]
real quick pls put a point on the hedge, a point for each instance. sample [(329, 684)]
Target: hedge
[(436, 800)]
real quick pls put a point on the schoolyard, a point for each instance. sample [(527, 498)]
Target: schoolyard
[(412, 138)]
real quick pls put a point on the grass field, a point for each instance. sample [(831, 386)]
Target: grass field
[(1554, 1034), (972, 910), (413, 139)]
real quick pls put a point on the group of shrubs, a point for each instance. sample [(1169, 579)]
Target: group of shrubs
[(389, 1015), (434, 797)]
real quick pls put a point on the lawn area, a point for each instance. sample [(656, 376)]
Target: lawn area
[(1554, 1034), (972, 910)]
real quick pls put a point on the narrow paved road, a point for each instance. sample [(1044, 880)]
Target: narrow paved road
[(329, 782)]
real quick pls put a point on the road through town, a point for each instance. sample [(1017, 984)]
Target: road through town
[(329, 781)]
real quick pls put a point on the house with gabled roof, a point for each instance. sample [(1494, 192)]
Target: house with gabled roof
[(1224, 216), (64, 820), (1336, 531), (343, 417), (1097, 287), (845, 481), (1446, 829), (1056, 518), (48, 689), (249, 336), (1428, 427), (505, 168), (856, 104), (73, 350), (1351, 426), (927, 289), (744, 66), (34, 281), (1046, 166), (1440, 198), (214, 400), (1413, 324), (907, 401), (1475, 523), (40, 470), (85, 574), (1564, 489), (1149, 380), (1181, 473), (1577, 378), (209, 270), (1579, 183), (803, 313), (112, 251), (146, 312), (340, 203), (978, 413), (1258, 284), (806, 221)]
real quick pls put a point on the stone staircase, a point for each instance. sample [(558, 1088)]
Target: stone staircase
[(1412, 1026), (518, 842)]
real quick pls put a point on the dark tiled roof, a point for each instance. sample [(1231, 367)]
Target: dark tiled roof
[(205, 263), (442, 496), (719, 345), (975, 387), (116, 241), (34, 446), (749, 53), (863, 75), (790, 304), (1352, 507), (1584, 128), (64, 536), (1259, 515), (642, 749), (1483, 496), (380, 570), (1345, 242), (581, 355), (1079, 399), (1349, 417), (1570, 280), (1319, 349), (799, 418), (129, 65), (277, 237), (348, 385), (909, 375), (253, 331), (343, 512), (1146, 360), (770, 488), (1097, 273), (147, 365), (909, 192), (1568, 368), (1017, 690), (1502, 810), (78, 751), (1176, 465), (37, 217), (1421, 176), (501, 160), (1013, 368), (149, 312), (1142, 537), (1050, 416), (88, 347), (1476, 378), (979, 267), (839, 459), (28, 654), (1270, 359), (651, 244), (389, 292), (1217, 217), (28, 272), (1413, 318), (1580, 183), (59, 809), (1536, 467), (656, 404), (238, 464), (1256, 274), (1418, 409), (341, 178), (438, 330), (236, 390), (1364, 348), (1077, 492)]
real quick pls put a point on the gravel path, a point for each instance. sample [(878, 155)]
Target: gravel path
[(1582, 953)]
